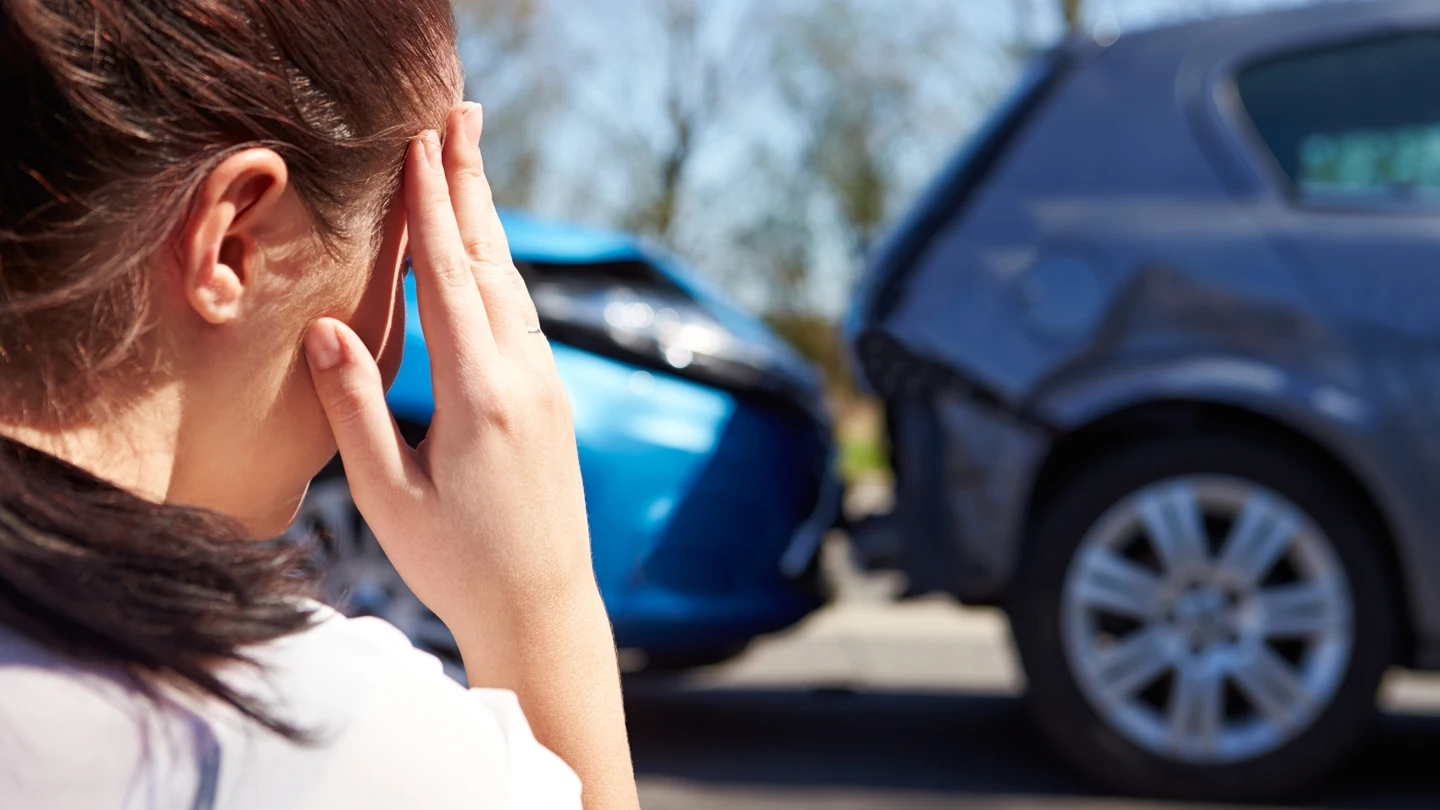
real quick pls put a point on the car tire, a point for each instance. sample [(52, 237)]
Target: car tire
[(1149, 740)]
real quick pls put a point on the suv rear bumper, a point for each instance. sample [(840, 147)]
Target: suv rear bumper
[(963, 474)]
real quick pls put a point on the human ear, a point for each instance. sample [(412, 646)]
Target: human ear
[(219, 247)]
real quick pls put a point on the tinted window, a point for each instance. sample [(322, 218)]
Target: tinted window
[(1359, 118)]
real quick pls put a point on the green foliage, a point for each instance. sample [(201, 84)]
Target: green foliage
[(1372, 160), (862, 455)]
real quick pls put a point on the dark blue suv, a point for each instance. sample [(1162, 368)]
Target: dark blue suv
[(1161, 356)]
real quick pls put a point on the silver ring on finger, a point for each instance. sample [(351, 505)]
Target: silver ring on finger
[(534, 330)]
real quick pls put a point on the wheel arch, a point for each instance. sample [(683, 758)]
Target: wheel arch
[(1163, 418)]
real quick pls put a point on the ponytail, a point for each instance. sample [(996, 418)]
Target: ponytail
[(162, 593)]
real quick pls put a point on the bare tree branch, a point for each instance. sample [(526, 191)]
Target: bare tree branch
[(856, 78), (693, 91)]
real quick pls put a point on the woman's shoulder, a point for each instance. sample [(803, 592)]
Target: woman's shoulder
[(334, 642), (74, 736), (386, 721), (386, 727)]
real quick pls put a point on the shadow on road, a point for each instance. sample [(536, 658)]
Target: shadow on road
[(966, 745)]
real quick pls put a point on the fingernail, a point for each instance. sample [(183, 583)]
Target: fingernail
[(474, 122), (322, 346), (432, 149)]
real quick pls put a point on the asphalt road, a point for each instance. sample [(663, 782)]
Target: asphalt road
[(785, 748), (872, 705)]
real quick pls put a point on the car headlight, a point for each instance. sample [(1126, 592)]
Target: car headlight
[(630, 311)]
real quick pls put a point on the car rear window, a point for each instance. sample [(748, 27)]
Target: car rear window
[(1361, 118)]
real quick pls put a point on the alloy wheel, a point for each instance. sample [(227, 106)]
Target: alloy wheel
[(1207, 619)]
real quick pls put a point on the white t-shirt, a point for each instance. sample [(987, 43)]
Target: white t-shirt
[(391, 729)]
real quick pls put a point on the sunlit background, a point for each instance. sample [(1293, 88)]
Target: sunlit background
[(768, 143), (1143, 480)]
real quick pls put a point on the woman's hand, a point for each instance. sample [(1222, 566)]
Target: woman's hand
[(492, 499), (485, 521)]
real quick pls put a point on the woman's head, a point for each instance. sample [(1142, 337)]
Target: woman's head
[(184, 186)]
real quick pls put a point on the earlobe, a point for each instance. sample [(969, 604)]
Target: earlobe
[(219, 248), (217, 293)]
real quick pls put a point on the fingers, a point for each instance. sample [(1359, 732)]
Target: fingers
[(452, 314), (377, 460), (507, 302), (480, 227)]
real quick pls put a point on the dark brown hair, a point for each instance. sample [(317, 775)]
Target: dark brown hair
[(115, 111)]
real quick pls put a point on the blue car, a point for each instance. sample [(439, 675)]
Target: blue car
[(704, 444)]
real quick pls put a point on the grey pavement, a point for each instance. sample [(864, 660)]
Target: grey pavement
[(911, 706)]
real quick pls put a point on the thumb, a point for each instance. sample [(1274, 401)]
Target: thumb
[(377, 459)]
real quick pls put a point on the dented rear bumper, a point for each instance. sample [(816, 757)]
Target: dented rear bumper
[(965, 462)]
